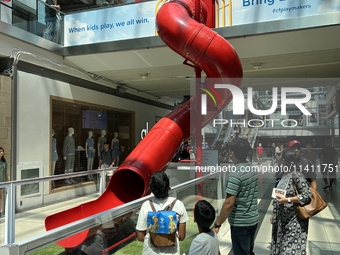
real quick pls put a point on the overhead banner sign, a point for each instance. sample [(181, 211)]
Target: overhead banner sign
[(255, 11), (110, 24), (138, 20)]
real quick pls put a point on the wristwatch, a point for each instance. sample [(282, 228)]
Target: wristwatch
[(289, 201), (217, 226)]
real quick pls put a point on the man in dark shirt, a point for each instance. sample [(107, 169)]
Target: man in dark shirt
[(50, 20), (305, 166), (328, 164), (310, 154), (107, 157)]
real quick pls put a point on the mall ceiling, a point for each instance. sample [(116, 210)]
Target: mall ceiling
[(309, 53)]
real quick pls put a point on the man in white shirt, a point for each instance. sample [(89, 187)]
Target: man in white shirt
[(276, 154), (159, 185)]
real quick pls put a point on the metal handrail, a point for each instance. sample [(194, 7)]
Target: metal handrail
[(253, 138), (227, 134), (55, 235), (217, 136), (54, 177), (11, 7), (51, 7), (11, 190), (6, 5)]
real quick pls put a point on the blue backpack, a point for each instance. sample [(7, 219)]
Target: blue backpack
[(162, 226)]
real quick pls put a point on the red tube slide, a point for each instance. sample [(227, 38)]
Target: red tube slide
[(205, 49)]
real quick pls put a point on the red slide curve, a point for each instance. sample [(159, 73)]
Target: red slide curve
[(205, 49)]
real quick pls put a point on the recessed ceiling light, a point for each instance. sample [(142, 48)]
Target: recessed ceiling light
[(144, 75), (257, 66)]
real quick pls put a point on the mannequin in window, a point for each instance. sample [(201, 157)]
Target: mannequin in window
[(69, 150), (115, 147), (54, 154), (89, 149), (101, 141)]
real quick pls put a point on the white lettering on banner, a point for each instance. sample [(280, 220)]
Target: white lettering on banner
[(110, 24), (256, 11), (257, 2), (138, 19), (144, 131)]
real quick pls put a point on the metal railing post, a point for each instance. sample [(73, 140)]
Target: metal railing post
[(102, 182), (219, 193), (10, 215), (9, 249)]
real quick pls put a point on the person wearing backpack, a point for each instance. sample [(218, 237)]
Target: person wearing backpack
[(159, 217), (206, 242)]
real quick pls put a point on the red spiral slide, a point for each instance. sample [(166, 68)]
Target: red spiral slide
[(206, 50)]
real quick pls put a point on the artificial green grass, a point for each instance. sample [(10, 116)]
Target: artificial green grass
[(136, 247), (132, 247), (53, 249)]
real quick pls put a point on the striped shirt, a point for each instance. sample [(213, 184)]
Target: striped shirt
[(243, 184)]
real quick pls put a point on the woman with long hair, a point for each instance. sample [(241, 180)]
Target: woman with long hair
[(3, 176), (289, 232)]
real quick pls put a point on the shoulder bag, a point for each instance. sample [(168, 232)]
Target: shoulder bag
[(316, 205)]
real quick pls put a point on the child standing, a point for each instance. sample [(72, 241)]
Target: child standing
[(159, 185), (206, 243)]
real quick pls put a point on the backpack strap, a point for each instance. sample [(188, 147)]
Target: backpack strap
[(152, 206), (168, 208), (171, 206)]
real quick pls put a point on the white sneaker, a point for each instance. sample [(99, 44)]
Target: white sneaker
[(326, 186)]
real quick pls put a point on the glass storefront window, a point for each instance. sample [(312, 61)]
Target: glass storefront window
[(116, 126)]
